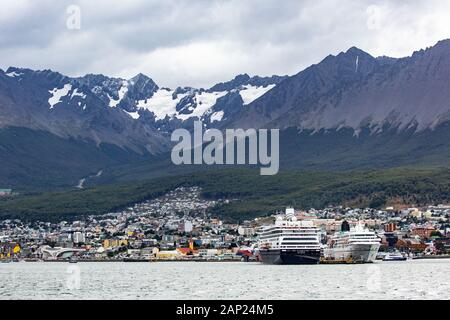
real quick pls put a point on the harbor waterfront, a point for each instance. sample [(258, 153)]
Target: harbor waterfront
[(178, 227), (412, 279)]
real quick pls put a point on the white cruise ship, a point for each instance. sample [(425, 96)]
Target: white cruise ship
[(358, 244), (289, 241)]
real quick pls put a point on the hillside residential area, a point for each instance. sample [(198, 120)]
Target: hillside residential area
[(177, 227)]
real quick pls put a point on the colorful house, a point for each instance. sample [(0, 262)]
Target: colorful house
[(9, 250)]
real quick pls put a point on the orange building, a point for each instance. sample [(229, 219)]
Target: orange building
[(411, 245), (423, 232)]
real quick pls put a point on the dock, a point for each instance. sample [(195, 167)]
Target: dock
[(340, 261)]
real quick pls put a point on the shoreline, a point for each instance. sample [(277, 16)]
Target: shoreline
[(205, 261), (432, 257), (126, 261)]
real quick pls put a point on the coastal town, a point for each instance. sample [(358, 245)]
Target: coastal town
[(178, 227)]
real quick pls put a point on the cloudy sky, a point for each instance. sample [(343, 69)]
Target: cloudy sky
[(199, 43)]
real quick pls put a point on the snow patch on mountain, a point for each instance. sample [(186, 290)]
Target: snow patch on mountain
[(75, 93), (57, 94), (134, 115), (162, 104), (205, 101), (250, 93), (122, 92), (13, 74), (217, 116)]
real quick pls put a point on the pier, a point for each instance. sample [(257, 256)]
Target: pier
[(339, 261)]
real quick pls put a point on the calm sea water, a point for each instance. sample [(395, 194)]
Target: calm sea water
[(419, 279)]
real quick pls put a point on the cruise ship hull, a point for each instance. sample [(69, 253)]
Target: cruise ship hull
[(290, 256), (357, 252)]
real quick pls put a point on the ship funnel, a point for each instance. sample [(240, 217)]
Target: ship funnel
[(290, 212), (345, 226)]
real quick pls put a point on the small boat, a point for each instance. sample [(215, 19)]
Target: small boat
[(394, 256), (381, 255), (73, 260)]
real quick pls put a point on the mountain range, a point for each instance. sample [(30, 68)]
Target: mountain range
[(350, 111)]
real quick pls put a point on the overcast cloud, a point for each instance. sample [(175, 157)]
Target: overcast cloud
[(199, 43)]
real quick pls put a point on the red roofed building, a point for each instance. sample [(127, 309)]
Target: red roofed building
[(423, 232)]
